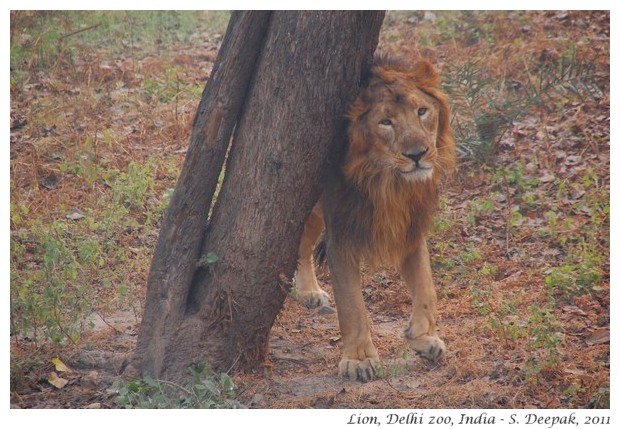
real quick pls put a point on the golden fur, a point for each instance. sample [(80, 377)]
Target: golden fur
[(378, 205)]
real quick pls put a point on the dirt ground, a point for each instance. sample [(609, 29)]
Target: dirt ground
[(512, 342)]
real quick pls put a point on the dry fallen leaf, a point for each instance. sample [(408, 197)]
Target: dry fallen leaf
[(547, 177), (598, 336), (576, 372), (74, 215), (56, 381), (572, 309), (59, 365)]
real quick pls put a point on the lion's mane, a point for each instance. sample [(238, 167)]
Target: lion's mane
[(375, 212)]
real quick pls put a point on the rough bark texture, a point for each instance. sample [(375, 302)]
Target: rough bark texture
[(307, 72), (184, 225)]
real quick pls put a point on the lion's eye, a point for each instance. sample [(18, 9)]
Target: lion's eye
[(387, 122), (422, 111)]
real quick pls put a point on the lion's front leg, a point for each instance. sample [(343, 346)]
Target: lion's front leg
[(420, 333), (360, 359)]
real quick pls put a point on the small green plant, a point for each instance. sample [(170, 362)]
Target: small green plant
[(58, 267), (480, 207), (543, 332), (51, 299), (485, 109), (600, 399), (500, 315), (572, 280), (390, 370), (582, 267), (206, 390), (555, 79), (443, 223), (469, 255), (539, 327), (208, 259), (575, 390), (516, 176), (131, 188), (169, 87)]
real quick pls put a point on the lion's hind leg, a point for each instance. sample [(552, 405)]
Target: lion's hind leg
[(420, 333), (307, 289)]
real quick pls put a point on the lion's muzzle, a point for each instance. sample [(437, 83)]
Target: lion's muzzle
[(416, 156)]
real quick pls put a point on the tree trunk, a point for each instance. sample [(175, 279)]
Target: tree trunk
[(303, 69)]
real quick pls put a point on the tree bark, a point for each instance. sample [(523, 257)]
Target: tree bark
[(184, 225), (304, 70)]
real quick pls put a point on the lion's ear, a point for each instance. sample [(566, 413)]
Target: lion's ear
[(425, 75)]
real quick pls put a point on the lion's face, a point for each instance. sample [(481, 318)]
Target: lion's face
[(402, 130), (397, 125)]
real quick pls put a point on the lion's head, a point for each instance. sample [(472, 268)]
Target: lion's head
[(400, 126)]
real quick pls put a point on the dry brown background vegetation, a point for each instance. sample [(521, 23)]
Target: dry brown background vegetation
[(101, 109)]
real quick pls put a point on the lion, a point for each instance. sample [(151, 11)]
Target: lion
[(378, 206)]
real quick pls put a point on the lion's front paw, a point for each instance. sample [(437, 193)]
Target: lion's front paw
[(361, 370), (428, 347), (314, 299)]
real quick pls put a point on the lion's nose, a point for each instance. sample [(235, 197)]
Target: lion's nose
[(416, 156)]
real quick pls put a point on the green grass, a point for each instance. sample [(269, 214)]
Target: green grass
[(86, 251), (39, 40), (59, 268)]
